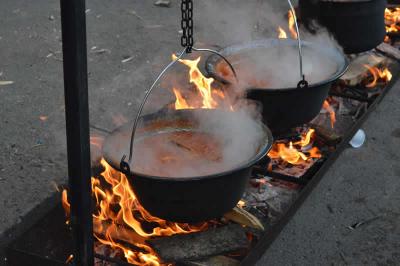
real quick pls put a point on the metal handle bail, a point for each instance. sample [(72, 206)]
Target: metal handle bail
[(302, 82)]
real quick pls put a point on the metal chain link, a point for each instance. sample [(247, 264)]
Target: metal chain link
[(187, 24)]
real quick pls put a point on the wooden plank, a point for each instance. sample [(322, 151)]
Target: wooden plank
[(389, 50), (196, 246), (213, 261)]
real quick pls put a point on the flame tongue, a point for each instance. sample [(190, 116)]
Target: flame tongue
[(202, 84), (282, 33), (292, 26), (293, 153), (378, 74)]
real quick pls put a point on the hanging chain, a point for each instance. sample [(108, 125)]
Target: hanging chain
[(187, 24)]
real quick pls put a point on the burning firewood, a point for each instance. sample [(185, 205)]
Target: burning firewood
[(243, 217), (196, 246), (356, 72)]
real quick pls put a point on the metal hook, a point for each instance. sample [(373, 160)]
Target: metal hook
[(293, 11)]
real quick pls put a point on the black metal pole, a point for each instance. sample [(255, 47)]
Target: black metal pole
[(73, 23)]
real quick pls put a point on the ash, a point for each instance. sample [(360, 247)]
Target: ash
[(269, 198)]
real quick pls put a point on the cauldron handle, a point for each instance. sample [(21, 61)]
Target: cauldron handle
[(302, 83), (125, 165)]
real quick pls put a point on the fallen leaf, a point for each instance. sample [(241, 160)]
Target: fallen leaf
[(163, 3), (6, 82)]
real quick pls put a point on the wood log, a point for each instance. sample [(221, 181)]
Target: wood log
[(196, 246), (389, 50), (243, 217), (327, 136), (213, 261), (356, 72)]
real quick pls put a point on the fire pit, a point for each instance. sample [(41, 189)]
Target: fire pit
[(106, 222)]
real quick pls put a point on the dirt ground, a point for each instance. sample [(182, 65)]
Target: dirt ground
[(129, 42)]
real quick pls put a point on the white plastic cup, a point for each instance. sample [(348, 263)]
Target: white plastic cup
[(358, 139)]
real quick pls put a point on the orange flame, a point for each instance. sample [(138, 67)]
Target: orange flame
[(202, 84), (282, 33), (180, 102), (207, 97), (118, 207), (392, 18), (331, 112), (291, 24), (378, 75), (295, 155)]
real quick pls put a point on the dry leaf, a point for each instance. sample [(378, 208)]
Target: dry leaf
[(6, 82)]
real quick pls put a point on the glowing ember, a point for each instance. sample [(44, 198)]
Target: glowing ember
[(331, 112), (291, 24), (118, 208), (378, 75), (69, 259), (282, 33), (295, 153)]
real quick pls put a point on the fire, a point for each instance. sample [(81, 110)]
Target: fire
[(392, 18), (282, 33), (378, 74), (291, 24), (295, 153), (202, 84), (65, 204), (292, 28), (331, 112), (119, 216)]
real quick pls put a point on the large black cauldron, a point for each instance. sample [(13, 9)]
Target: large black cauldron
[(358, 26), (284, 108), (184, 199)]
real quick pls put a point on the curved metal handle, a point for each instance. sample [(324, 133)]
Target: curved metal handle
[(220, 55), (124, 166), (302, 81)]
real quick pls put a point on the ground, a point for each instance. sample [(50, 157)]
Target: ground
[(128, 43)]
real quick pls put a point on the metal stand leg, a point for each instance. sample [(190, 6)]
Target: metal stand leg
[(73, 22)]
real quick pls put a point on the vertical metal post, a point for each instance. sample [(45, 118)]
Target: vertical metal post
[(73, 22)]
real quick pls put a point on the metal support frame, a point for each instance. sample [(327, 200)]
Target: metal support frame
[(73, 22)]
